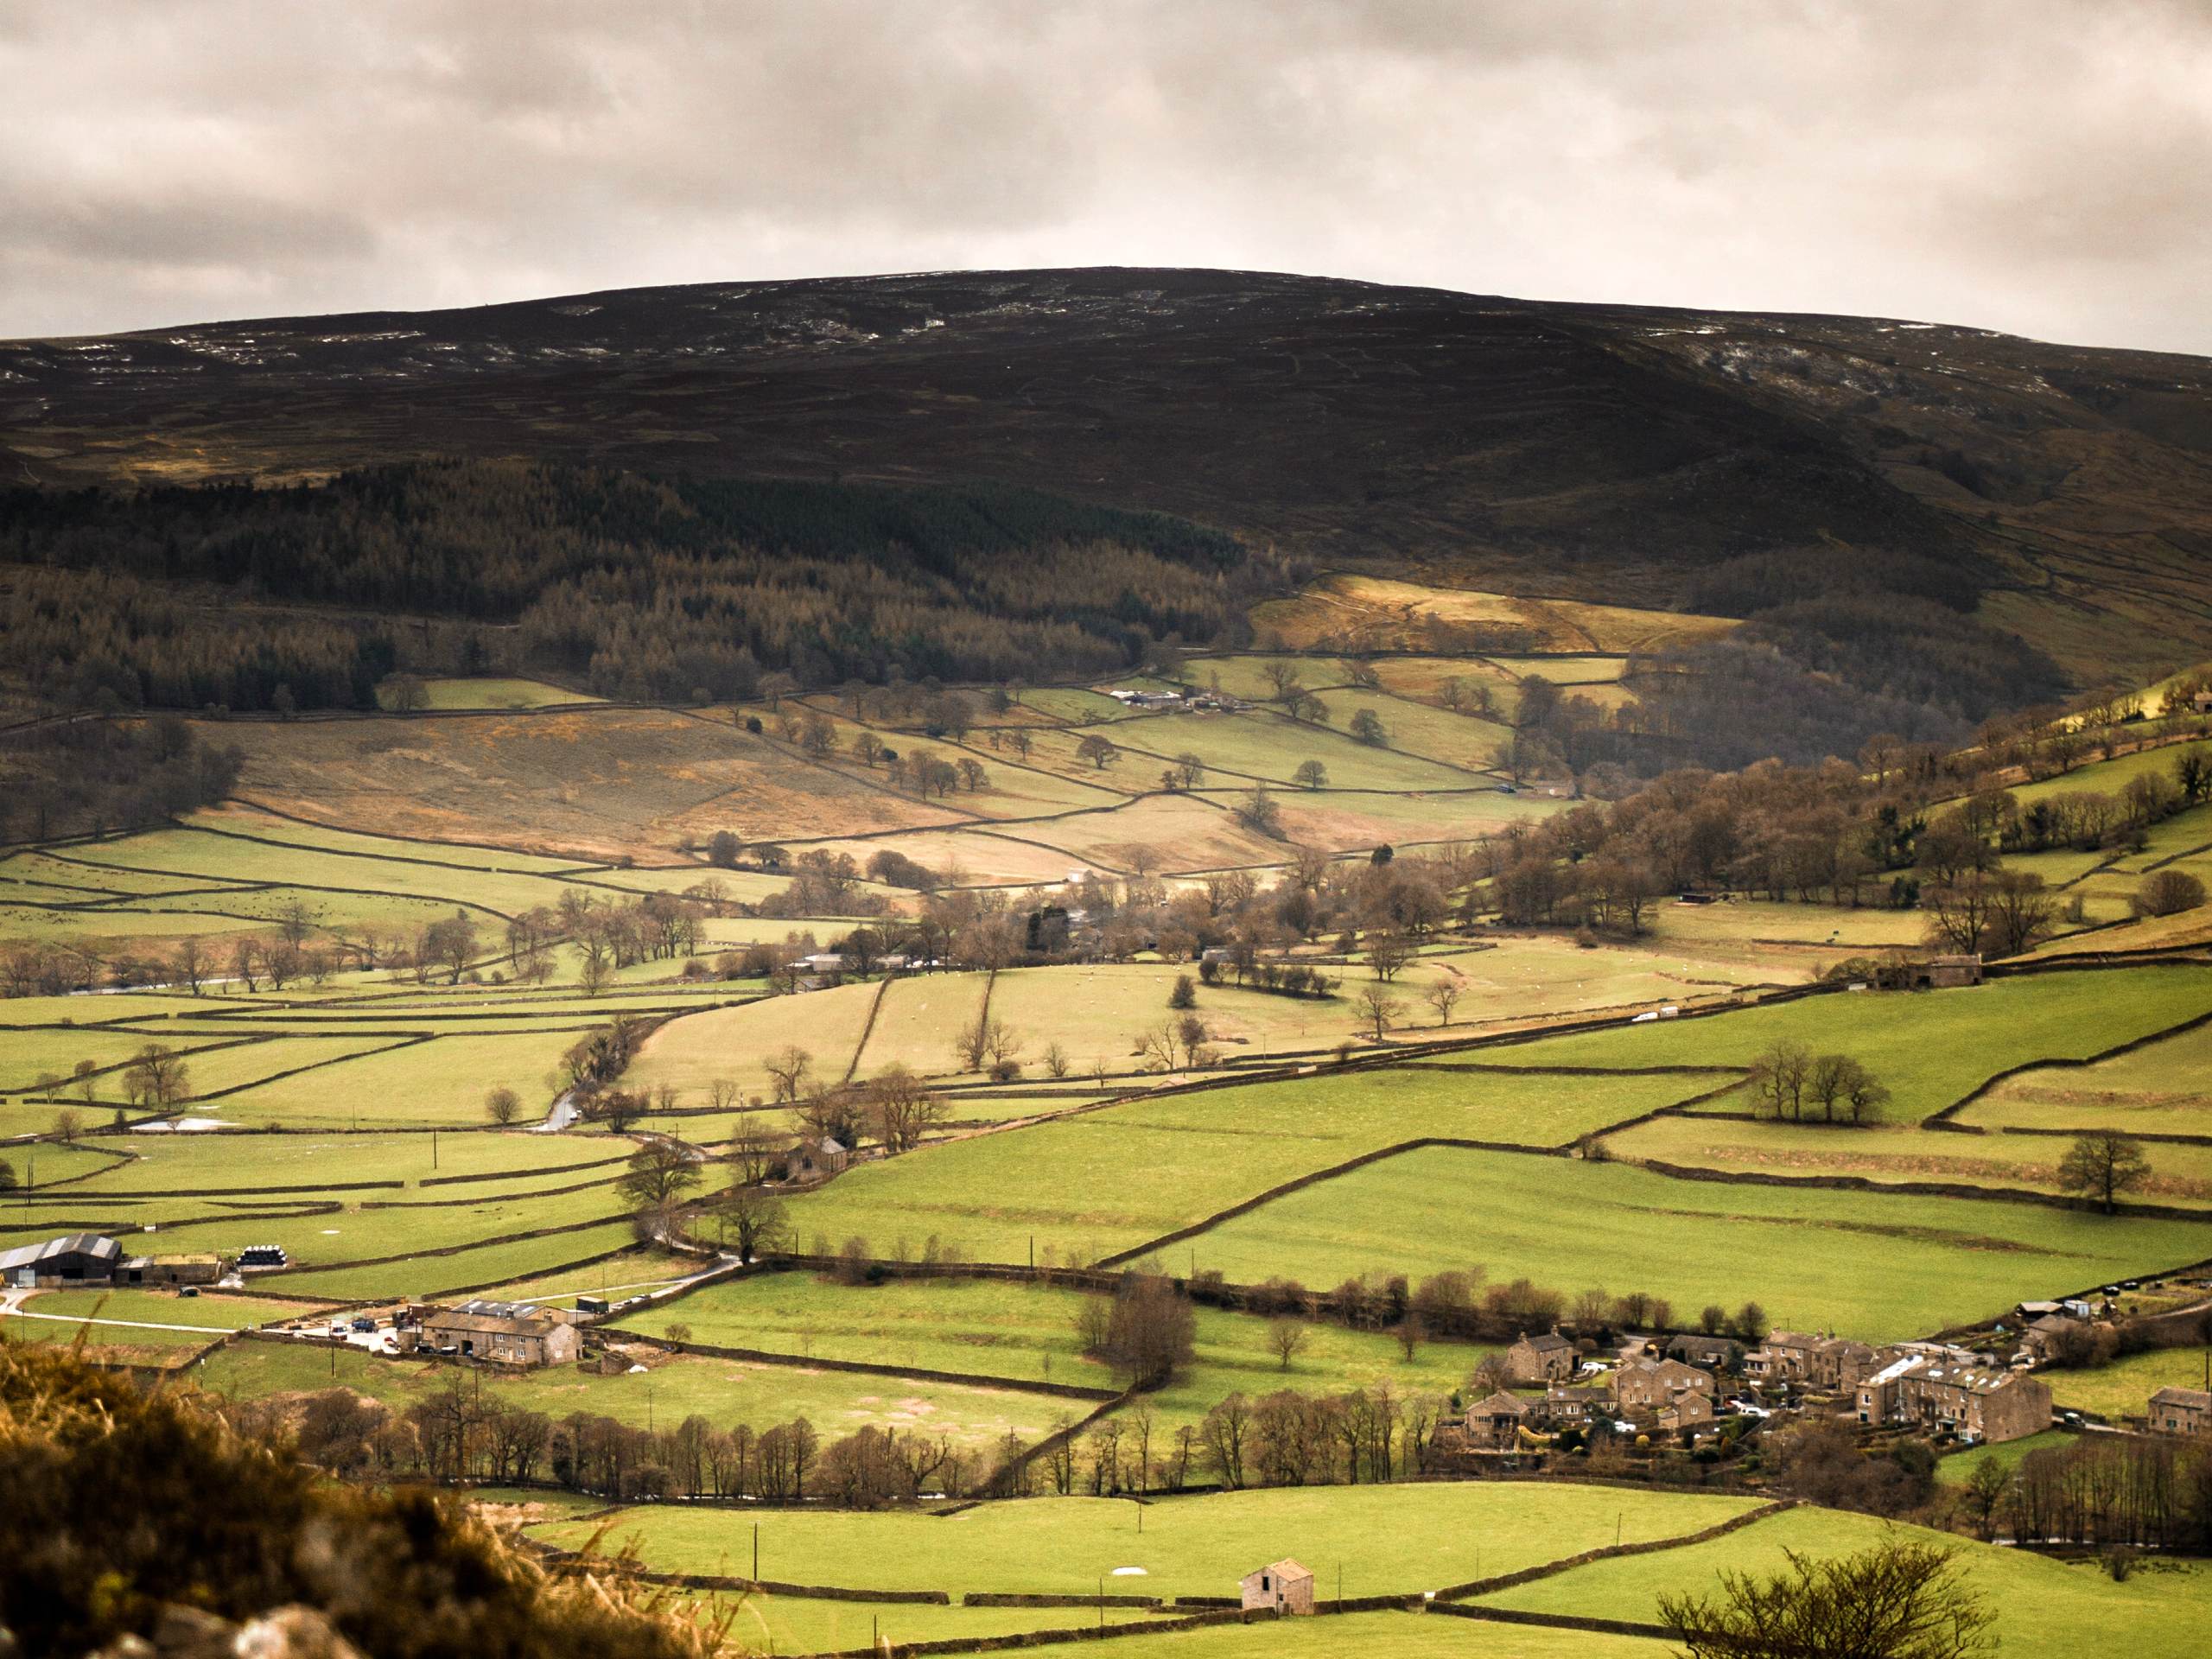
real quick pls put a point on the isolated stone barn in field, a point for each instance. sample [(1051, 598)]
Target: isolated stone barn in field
[(1280, 1586)]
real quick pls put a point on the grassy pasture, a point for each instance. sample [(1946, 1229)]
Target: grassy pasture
[(425, 1275), (1521, 978), (1378, 613), (69, 865), (970, 857), (592, 783), (243, 819), (1896, 1151), (1957, 1468), (402, 1224), (1383, 1635), (917, 1021), (1386, 1539), (28, 1056), (2125, 1386), (646, 1267), (2164, 1087), (1097, 1012), (1344, 819), (2043, 1607), (205, 854), (1260, 746), (1931, 1048), (725, 1392), (254, 1163), (217, 1070), (493, 693), (2110, 777), (808, 1625), (1841, 932), (1878, 1267), (691, 1052), (441, 1082), (210, 1312), (1185, 832), (1026, 1333), (1090, 1186), (1419, 728)]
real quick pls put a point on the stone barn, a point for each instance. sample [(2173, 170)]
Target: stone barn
[(1280, 1586)]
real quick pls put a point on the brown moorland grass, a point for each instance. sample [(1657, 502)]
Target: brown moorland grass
[(600, 783)]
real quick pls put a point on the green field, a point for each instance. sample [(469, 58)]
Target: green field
[(1105, 1181), (1383, 1635), (1877, 1266), (1398, 1539), (1897, 1152), (1957, 1468), (725, 1392), (990, 1328), (2043, 1607), (2124, 1387), (447, 694), (135, 1317), (1931, 1048), (441, 1082), (2164, 1087)]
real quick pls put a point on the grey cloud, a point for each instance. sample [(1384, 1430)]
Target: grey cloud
[(2039, 165)]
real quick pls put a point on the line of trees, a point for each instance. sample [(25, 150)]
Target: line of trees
[(455, 1433)]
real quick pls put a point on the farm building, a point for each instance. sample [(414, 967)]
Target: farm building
[(1707, 1353), (1282, 1586), (1825, 1364), (1943, 973), (2201, 702), (204, 1270), (1495, 1423), (509, 1333), (817, 1159), (2046, 1338), (1540, 1359), (1562, 1407), (1652, 1384), (74, 1259), (2181, 1411), (1936, 1389)]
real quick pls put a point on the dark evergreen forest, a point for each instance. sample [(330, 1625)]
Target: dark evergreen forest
[(250, 597)]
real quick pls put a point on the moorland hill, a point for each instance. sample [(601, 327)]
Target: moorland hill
[(1710, 462)]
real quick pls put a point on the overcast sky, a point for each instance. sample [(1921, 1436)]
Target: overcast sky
[(2039, 166)]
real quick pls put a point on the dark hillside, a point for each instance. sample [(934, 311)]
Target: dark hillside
[(1655, 457)]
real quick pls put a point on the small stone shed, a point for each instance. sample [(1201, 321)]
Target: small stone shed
[(1280, 1586)]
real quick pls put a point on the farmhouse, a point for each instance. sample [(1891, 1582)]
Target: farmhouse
[(1495, 1423), (1825, 1364), (1280, 1586), (2181, 1411), (1710, 1353), (1652, 1384), (2047, 1338), (1562, 1407), (1938, 1389), (73, 1259), (1540, 1359), (508, 1332)]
